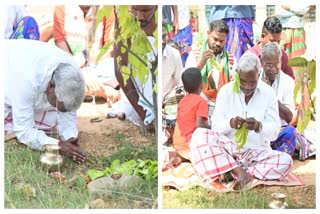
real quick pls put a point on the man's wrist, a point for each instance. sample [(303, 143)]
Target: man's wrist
[(257, 130)]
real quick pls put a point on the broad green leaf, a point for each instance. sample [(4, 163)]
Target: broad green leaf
[(241, 136), (236, 84), (304, 121), (94, 174), (105, 11), (297, 87), (103, 50), (115, 166), (312, 76), (214, 63), (297, 62)]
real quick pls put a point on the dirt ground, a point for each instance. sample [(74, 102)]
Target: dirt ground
[(95, 136)]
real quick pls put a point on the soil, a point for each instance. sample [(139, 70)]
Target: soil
[(100, 134)]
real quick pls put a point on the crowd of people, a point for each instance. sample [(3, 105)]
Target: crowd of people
[(233, 86)]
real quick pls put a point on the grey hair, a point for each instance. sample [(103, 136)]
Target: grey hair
[(248, 62), (271, 49), (69, 86)]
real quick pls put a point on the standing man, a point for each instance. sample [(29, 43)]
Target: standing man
[(42, 90)]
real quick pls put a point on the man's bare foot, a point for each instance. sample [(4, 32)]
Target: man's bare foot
[(242, 178), (226, 177), (175, 161)]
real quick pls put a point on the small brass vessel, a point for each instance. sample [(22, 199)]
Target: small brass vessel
[(51, 160), (278, 201)]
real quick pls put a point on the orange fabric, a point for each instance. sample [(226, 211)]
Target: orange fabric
[(189, 108), (59, 33)]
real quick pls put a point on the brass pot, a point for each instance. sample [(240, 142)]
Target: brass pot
[(51, 160), (278, 201)]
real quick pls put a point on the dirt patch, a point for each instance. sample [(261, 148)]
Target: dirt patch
[(99, 138)]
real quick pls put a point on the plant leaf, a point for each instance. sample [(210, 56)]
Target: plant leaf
[(103, 50), (94, 174), (297, 62)]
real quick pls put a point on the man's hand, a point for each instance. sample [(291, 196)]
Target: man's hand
[(206, 55), (252, 124), (72, 149), (237, 122)]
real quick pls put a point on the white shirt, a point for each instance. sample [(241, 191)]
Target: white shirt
[(12, 15), (29, 65), (171, 69), (283, 86), (263, 106)]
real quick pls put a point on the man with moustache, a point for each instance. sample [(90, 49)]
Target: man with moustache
[(145, 14), (215, 76), (251, 102)]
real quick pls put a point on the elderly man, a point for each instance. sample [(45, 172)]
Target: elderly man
[(246, 101), (43, 88), (271, 32), (137, 105), (283, 86)]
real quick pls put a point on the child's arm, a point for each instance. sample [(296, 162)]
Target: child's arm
[(202, 122)]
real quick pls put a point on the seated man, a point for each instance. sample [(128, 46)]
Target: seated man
[(245, 101), (271, 32), (43, 88), (283, 86), (215, 75)]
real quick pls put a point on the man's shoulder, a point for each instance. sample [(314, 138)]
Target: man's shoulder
[(170, 51), (256, 50)]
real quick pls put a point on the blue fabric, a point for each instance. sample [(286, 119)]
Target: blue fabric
[(242, 28), (286, 141), (184, 40), (231, 11), (27, 28)]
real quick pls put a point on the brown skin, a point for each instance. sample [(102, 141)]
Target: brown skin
[(216, 41), (248, 84), (71, 146), (270, 37), (145, 14), (272, 65), (175, 22)]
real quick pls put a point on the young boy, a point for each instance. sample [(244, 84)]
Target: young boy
[(192, 114)]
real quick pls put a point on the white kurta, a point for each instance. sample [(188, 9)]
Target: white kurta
[(29, 66), (171, 69), (263, 106), (283, 86)]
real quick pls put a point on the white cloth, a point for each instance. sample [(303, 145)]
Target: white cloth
[(12, 15), (283, 86), (171, 69), (184, 16), (29, 66), (293, 18), (263, 106)]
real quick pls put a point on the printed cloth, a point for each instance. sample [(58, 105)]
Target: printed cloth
[(27, 28), (240, 36), (213, 155)]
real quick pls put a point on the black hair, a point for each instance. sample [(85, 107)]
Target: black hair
[(220, 26), (191, 79), (272, 25)]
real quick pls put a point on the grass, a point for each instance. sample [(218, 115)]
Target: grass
[(22, 168), (257, 198)]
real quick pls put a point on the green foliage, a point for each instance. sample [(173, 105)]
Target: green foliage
[(147, 169), (236, 84), (306, 79), (214, 63), (241, 135), (103, 12), (103, 50)]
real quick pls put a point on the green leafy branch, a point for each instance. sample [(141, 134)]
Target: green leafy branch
[(147, 169)]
